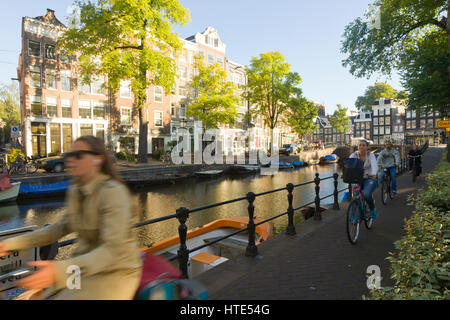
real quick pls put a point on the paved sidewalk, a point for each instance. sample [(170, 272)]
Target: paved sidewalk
[(319, 262)]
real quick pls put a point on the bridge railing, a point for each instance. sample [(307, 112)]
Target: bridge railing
[(182, 215)]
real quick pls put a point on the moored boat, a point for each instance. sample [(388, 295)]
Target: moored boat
[(209, 173), (299, 164), (245, 168), (36, 190), (331, 158), (313, 162), (10, 194)]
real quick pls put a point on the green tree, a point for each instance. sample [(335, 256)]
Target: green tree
[(301, 114), (373, 93), (270, 86), (339, 120), (216, 100), (9, 110), (128, 39)]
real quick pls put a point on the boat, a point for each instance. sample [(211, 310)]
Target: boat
[(280, 165), (245, 169), (38, 190), (216, 253), (11, 193), (331, 158), (299, 164), (314, 162), (209, 173)]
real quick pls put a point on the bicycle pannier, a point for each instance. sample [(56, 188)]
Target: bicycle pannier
[(353, 170)]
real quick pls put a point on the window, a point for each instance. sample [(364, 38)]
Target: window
[(388, 111), (96, 85), (367, 125), (408, 124), (408, 114), (84, 109), (99, 110), (34, 48), (51, 106), (400, 128), (381, 112), (202, 53), (173, 110), (430, 123), (375, 121), (191, 74), (381, 130), (422, 123), (86, 129), (55, 137), (182, 111), (64, 58), (220, 61), (158, 94), (125, 116), (381, 121), (67, 136), (50, 52), (66, 80), (158, 118), (388, 130), (375, 112), (183, 72), (413, 114), (35, 76), (66, 106), (210, 58), (363, 125), (125, 90), (100, 131), (413, 124), (50, 78), (388, 120), (182, 91), (36, 106)]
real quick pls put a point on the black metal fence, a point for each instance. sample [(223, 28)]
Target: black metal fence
[(182, 214)]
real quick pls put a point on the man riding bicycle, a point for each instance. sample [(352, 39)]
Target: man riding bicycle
[(415, 153), (389, 158)]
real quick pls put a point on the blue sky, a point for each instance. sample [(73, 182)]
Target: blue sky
[(307, 32)]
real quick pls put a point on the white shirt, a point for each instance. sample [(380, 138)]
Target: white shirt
[(370, 165)]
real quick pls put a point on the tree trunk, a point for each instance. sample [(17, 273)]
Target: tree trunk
[(143, 135)]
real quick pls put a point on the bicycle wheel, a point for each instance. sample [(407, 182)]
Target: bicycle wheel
[(22, 169), (353, 222), (391, 194), (384, 191)]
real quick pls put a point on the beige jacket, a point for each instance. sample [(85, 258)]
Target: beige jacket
[(105, 245)]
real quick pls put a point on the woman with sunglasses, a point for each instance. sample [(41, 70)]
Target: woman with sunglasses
[(99, 211)]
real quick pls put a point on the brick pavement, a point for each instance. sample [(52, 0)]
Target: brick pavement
[(319, 262)]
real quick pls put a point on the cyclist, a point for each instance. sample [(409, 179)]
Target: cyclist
[(369, 183), (389, 158), (412, 153)]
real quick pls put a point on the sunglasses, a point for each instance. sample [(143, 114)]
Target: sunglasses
[(79, 154)]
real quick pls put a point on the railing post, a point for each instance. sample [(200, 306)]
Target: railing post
[(290, 230), (317, 215), (183, 252), (336, 193), (252, 250)]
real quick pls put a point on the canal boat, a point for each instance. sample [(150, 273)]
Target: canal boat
[(209, 173), (10, 194), (280, 164), (38, 190), (331, 158), (314, 162), (216, 253), (299, 164)]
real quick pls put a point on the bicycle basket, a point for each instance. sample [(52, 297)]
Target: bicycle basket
[(353, 170)]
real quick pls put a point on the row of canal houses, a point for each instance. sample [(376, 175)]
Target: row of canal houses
[(57, 108)]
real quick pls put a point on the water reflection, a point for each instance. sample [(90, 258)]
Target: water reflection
[(157, 201)]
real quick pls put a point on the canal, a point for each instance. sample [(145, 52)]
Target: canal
[(161, 200)]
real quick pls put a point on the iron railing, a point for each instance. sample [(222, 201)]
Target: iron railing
[(182, 214)]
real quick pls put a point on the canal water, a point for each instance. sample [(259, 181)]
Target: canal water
[(161, 200)]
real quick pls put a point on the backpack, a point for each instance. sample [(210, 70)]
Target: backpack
[(353, 170)]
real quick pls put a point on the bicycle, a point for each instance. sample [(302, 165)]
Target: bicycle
[(166, 158), (386, 186), (415, 168), (21, 166), (357, 212), (3, 165)]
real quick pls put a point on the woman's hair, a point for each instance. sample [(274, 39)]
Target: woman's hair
[(98, 146), (364, 140)]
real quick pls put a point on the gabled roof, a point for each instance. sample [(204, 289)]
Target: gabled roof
[(51, 19)]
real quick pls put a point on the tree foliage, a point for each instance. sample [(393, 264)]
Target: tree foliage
[(270, 86), (9, 108), (339, 120), (301, 114), (373, 93), (404, 42), (217, 99), (128, 39)]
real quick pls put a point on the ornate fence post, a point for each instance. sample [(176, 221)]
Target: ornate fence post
[(336, 193), (290, 230), (317, 215), (183, 252), (252, 250)]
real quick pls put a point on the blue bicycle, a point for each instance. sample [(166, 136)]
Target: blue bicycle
[(357, 211)]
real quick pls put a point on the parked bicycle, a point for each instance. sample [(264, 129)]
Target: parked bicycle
[(3, 164), (166, 158), (357, 211), (386, 186), (415, 168), (20, 166)]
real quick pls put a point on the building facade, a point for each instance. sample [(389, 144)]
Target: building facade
[(388, 121)]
